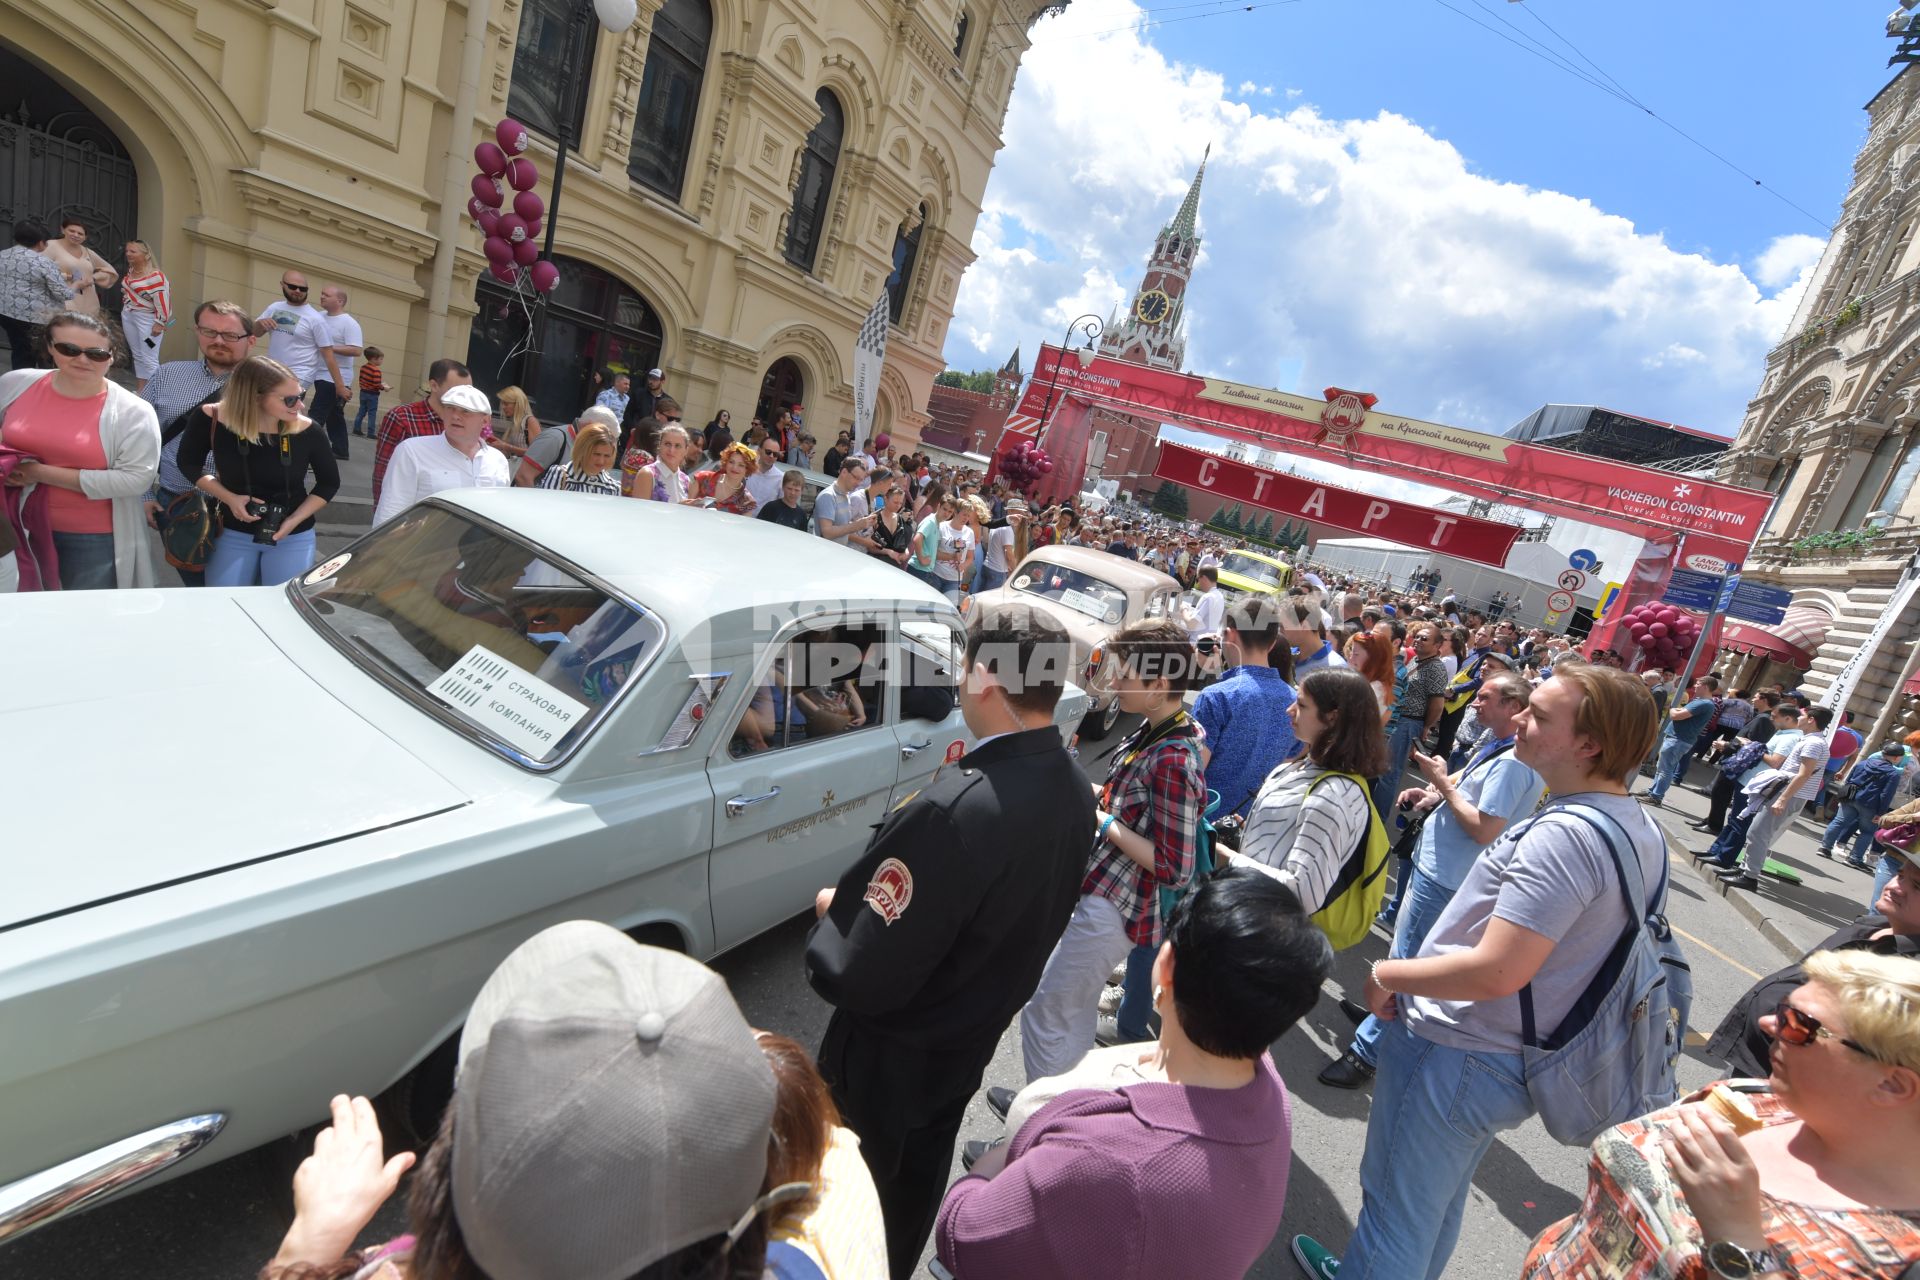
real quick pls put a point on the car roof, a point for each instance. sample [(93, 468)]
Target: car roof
[(719, 563), (1257, 555), (1118, 570)]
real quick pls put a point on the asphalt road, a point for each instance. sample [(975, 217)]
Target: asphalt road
[(225, 1220)]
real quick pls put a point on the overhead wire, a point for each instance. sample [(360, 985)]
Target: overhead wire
[(1228, 9)]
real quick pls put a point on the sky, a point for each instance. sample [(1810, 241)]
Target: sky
[(1415, 204)]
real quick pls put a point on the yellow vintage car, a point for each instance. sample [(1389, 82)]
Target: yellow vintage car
[(1254, 573)]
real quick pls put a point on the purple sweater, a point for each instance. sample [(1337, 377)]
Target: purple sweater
[(1153, 1180)]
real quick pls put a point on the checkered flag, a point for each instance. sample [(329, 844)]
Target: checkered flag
[(869, 355)]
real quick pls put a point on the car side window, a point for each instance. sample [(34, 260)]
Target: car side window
[(932, 657), (822, 683)]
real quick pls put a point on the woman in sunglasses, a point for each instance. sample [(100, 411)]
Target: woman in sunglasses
[(93, 447), (1823, 1184), (263, 454)]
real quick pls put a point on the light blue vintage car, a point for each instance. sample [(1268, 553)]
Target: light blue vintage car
[(266, 844)]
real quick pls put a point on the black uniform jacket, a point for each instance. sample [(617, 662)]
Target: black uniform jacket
[(937, 935)]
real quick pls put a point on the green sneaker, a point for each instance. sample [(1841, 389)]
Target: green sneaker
[(1314, 1258)]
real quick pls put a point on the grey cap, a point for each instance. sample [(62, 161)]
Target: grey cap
[(611, 1108)]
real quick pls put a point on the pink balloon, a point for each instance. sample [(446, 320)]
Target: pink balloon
[(498, 251), (529, 205), (491, 159), (476, 207), (1660, 629), (545, 275), (488, 221), (521, 175), (513, 228), (511, 135), (487, 190), (526, 253), (508, 274), (1666, 613), (534, 226)]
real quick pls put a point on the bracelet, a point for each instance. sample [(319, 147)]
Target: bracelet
[(1101, 834), (1373, 973)]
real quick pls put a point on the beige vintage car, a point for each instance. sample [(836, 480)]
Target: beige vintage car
[(1092, 594)]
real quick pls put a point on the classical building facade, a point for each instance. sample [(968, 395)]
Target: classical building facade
[(747, 178), (1834, 431)]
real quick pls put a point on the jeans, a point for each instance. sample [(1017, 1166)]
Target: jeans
[(1890, 864), (1724, 790), (370, 414), (1672, 765), (325, 409), (86, 561), (1435, 1113), (951, 589), (188, 577), (1849, 820), (22, 336), (238, 561), (1406, 732), (1136, 998), (1726, 846), (1426, 899), (1057, 1026), (985, 579)]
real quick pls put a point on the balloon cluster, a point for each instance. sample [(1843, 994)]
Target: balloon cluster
[(1024, 465), (1665, 634), (512, 227)]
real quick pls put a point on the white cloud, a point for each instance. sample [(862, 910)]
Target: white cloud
[(1248, 87), (1364, 253)]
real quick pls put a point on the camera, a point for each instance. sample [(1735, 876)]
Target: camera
[(272, 515)]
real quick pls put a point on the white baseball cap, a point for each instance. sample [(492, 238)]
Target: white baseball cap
[(472, 399)]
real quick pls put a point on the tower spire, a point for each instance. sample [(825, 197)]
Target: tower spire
[(1183, 221)]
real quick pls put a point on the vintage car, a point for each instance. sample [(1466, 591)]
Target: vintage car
[(1253, 573), (1092, 594), (269, 842)]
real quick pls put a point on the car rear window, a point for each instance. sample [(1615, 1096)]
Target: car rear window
[(481, 630)]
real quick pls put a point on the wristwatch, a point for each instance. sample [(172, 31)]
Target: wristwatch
[(1725, 1258)]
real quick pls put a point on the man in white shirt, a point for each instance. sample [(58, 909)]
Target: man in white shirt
[(458, 458), (298, 334), (1208, 607), (345, 341), (763, 482)]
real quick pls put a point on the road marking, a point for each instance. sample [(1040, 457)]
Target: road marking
[(1710, 949)]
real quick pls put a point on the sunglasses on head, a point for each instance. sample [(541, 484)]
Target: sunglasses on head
[(73, 351), (1798, 1028)]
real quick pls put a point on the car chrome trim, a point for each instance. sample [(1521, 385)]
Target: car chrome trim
[(77, 1184), (686, 724), (909, 750), (740, 804)]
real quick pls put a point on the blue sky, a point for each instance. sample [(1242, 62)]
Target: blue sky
[(1403, 201)]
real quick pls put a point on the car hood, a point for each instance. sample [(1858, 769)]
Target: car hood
[(155, 737)]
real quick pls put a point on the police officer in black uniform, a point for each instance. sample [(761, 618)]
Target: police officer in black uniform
[(936, 937)]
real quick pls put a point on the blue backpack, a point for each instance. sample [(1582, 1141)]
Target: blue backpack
[(1615, 1054)]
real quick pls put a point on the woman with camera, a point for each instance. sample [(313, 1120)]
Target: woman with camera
[(263, 455)]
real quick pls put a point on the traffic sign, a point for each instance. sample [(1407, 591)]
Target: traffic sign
[(1559, 602), (1692, 590), (1571, 580), (1608, 594), (1754, 602), (1583, 560)]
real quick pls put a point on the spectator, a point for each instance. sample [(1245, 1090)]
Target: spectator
[(1758, 727), (892, 535), (1894, 853), (1468, 810), (1841, 746), (645, 402), (1372, 656), (840, 511), (175, 507), (837, 1227), (425, 418), (1685, 725), (959, 541), (1776, 795), (997, 556), (1461, 688), (517, 428), (664, 478), (555, 443), (1823, 1189), (1726, 847), (1874, 783), (1303, 624), (1180, 1170), (786, 509), (146, 310), (1541, 907), (345, 343), (842, 449), (1147, 840), (297, 334), (87, 273), (638, 450), (764, 482), (801, 455), (577, 1180), (31, 289), (458, 458), (590, 469), (617, 396), (926, 536), (719, 434), (725, 487), (1734, 711), (1204, 613), (94, 445), (373, 385), (1420, 687), (262, 452)]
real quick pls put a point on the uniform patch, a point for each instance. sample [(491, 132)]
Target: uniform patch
[(890, 890), (955, 750)]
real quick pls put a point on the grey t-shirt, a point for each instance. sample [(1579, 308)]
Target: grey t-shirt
[(550, 445), (1552, 875)]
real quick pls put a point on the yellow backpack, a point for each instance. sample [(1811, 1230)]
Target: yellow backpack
[(1356, 894)]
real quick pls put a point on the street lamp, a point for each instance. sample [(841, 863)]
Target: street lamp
[(1090, 326)]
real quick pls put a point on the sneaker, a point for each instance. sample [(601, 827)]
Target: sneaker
[(1859, 866), (1110, 999), (1000, 1101), (1350, 1072), (1824, 852), (1315, 1258), (1107, 1032), (1740, 882), (1733, 871), (1647, 797), (1355, 1012), (1119, 975)]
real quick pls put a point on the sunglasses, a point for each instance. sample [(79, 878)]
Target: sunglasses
[(1797, 1028), (294, 288), (293, 401), (73, 351)]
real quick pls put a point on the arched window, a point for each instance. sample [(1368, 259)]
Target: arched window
[(537, 94), (807, 224), (1900, 486), (670, 96), (1869, 488), (906, 249), (960, 36), (592, 320), (1899, 251)]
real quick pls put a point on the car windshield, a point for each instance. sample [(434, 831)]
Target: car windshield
[(1076, 589), (481, 630), (1251, 568)]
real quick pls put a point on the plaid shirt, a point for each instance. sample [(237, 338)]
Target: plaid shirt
[(1160, 793), (407, 422)]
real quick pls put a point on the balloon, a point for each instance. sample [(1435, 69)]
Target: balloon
[(1046, 466), (534, 226), (529, 205), (487, 190), (615, 15), (1659, 629), (527, 252), (1666, 614), (488, 221), (513, 228), (476, 207), (498, 251), (521, 175), (491, 159), (508, 274), (511, 135), (545, 276)]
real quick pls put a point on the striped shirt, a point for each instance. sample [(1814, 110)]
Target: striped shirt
[(565, 478), (1301, 839), (151, 293)]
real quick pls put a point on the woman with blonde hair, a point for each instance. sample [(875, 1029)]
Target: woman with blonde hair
[(725, 487), (146, 310), (519, 428), (590, 470), (263, 455), (662, 480)]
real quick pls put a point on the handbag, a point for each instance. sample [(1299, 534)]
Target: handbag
[(189, 531), (1901, 836), (1843, 789)]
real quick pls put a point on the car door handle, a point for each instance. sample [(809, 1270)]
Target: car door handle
[(913, 749), (740, 804)]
